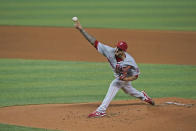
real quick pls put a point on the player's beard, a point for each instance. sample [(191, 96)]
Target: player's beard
[(118, 53)]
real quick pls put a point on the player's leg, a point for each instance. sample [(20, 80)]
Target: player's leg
[(128, 88), (113, 89)]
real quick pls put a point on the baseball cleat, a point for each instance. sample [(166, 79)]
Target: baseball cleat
[(96, 114), (148, 99)]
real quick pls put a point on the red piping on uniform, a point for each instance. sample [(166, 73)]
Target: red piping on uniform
[(96, 44), (111, 64)]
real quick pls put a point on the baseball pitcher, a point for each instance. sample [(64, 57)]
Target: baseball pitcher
[(124, 67)]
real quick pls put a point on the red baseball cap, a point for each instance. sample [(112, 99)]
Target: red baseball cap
[(122, 45)]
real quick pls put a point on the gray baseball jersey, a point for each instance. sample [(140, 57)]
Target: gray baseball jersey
[(109, 53)]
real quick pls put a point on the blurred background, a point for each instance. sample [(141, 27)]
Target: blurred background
[(132, 14)]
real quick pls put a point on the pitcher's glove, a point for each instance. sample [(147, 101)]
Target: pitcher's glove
[(126, 72)]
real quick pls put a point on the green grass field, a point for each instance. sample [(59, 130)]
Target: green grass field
[(35, 82), (132, 14), (5, 127)]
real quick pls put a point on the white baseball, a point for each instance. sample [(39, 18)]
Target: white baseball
[(75, 19)]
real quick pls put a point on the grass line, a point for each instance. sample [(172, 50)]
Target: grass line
[(6, 127)]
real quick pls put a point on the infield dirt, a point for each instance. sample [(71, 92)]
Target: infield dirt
[(161, 47)]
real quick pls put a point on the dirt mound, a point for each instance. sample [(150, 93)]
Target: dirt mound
[(121, 115)]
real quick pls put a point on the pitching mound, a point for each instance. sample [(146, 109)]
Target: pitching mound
[(122, 115)]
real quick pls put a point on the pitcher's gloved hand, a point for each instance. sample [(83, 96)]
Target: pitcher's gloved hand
[(126, 72)]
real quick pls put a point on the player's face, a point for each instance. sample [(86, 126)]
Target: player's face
[(118, 52)]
